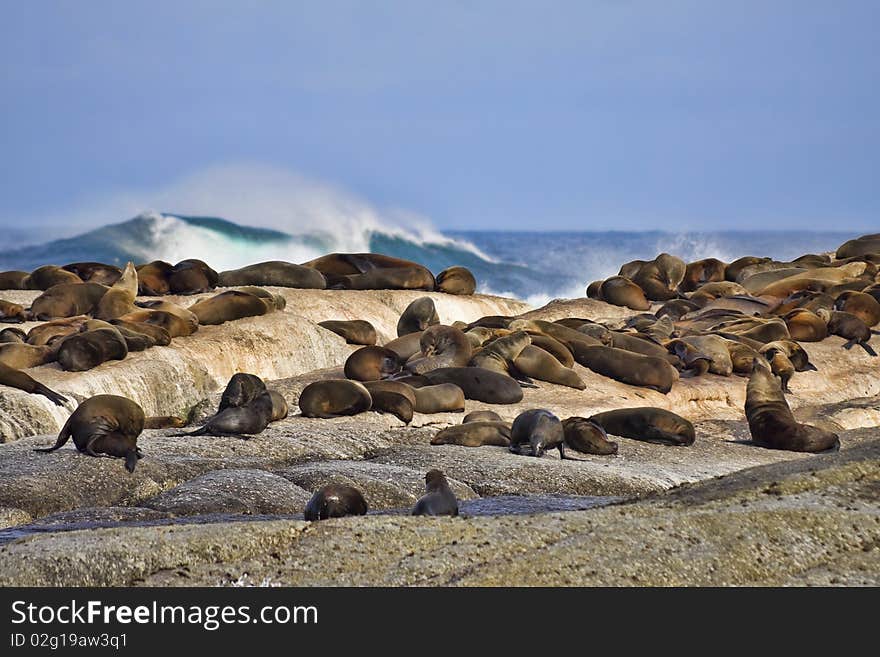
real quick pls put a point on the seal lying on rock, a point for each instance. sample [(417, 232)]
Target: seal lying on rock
[(333, 398), (104, 425), (587, 436), (12, 312), (276, 273), (771, 422), (475, 433), (335, 501), (456, 280), (355, 331), (439, 500), (653, 425), (372, 364), (239, 421)]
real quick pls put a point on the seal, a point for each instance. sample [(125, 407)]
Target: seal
[(555, 348), (43, 278), (172, 324), (372, 271), (386, 401), (479, 384), (153, 278), (594, 290), (119, 299), (534, 432), (13, 336), (715, 348), (104, 425), (134, 340), (45, 333), (95, 272), (13, 280), (355, 331), (819, 279), (628, 367), (653, 425), (677, 308), (372, 363), (87, 350), (276, 273), (440, 398), (335, 501), (12, 313), (438, 500), (241, 390), (192, 277), (587, 436), (861, 246), (229, 306), (240, 421), (701, 272), (558, 332), (691, 361), (395, 387), (862, 305), (67, 300), (481, 416), (441, 346), (417, 316), (334, 398), (805, 325), (280, 409), (474, 434), (157, 334), (499, 354), (24, 356), (456, 280), (536, 363), (771, 422), (742, 357), (621, 291), (709, 292), (661, 277), (849, 327), (732, 271), (14, 378), (189, 318), (407, 346)]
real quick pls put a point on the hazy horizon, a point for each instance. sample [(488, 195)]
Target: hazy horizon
[(486, 116)]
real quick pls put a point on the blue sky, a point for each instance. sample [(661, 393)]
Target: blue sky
[(521, 115)]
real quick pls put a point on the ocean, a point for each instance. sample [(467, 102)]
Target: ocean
[(533, 266)]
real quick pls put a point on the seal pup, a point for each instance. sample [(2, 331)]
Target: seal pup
[(438, 500), (499, 354), (335, 501), (587, 436), (355, 331), (334, 398), (106, 425), (456, 280), (535, 431), (771, 422), (476, 433), (417, 316), (12, 313), (17, 379), (653, 425), (701, 272)]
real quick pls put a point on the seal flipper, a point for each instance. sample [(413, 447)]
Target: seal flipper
[(54, 397), (63, 437), (868, 348), (131, 459)]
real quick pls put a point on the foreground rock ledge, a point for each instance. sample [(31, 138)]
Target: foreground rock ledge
[(810, 521)]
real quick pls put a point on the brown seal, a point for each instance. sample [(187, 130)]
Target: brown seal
[(119, 299), (16, 379), (474, 434), (355, 331), (241, 421), (24, 356), (440, 398), (171, 323), (732, 271), (441, 346), (587, 436), (628, 367), (534, 432), (456, 280), (67, 300), (481, 416), (335, 501), (153, 278), (653, 425), (157, 334), (536, 363), (333, 398), (438, 500), (95, 272), (192, 277), (134, 340), (849, 327), (387, 401), (709, 292), (691, 361), (12, 313), (12, 336), (372, 271), (555, 348), (43, 278), (715, 348), (594, 290), (862, 305), (701, 272), (805, 325), (864, 245), (417, 316), (241, 389), (771, 422), (372, 363), (46, 332), (621, 291), (106, 425), (677, 308), (229, 306), (13, 280), (276, 273), (189, 318), (87, 350), (407, 346), (479, 384), (499, 354), (660, 277)]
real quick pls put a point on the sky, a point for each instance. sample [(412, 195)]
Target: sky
[(471, 115)]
